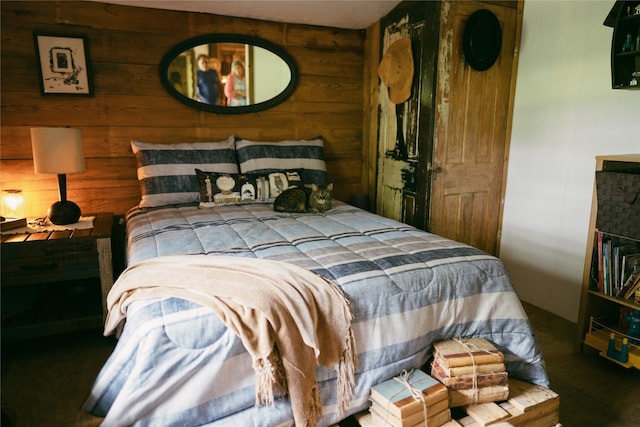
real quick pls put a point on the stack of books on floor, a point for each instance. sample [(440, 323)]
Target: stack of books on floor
[(409, 400), (472, 369), (528, 405)]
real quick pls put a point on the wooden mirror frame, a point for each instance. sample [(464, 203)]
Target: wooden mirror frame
[(175, 51)]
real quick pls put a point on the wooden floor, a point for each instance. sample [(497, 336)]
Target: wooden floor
[(593, 391), (44, 381)]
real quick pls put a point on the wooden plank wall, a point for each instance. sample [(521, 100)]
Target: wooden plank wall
[(125, 47)]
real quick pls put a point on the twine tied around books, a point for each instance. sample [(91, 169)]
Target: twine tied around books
[(469, 347), (415, 392)]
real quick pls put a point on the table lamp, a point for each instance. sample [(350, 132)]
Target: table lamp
[(58, 150)]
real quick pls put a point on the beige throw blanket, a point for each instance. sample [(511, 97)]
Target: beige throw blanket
[(288, 318)]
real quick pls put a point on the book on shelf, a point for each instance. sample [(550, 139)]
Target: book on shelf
[(605, 266), (494, 393), (629, 270), (600, 262), (394, 395), (464, 381), (415, 418), (632, 285), (630, 266), (465, 352), (618, 259), (616, 274)]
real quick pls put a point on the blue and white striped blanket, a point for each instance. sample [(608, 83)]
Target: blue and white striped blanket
[(176, 364)]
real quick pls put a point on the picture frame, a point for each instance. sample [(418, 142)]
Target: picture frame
[(63, 64)]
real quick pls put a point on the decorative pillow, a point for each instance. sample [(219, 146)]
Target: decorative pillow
[(265, 157), (166, 171), (219, 189)]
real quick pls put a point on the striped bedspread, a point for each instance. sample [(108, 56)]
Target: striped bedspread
[(176, 364)]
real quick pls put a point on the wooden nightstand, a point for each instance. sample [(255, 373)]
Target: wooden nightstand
[(56, 281)]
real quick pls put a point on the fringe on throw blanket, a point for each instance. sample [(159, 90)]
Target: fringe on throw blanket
[(288, 319), (270, 376)]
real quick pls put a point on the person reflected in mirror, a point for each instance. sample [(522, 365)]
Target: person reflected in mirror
[(208, 80), (226, 65), (215, 64), (235, 88)]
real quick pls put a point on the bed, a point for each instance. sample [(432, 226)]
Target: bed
[(176, 363)]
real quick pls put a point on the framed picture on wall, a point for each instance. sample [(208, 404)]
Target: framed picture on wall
[(63, 64)]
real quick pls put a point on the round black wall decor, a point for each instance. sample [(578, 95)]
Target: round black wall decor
[(482, 39)]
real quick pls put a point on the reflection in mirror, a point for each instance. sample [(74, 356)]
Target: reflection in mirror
[(228, 73)]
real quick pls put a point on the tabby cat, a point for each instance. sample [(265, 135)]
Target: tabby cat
[(299, 200)]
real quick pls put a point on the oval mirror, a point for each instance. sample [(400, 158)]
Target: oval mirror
[(228, 73)]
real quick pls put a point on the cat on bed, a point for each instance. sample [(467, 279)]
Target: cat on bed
[(299, 200)]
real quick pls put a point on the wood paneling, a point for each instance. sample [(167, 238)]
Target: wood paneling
[(125, 47)]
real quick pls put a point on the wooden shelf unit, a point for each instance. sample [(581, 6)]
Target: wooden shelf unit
[(601, 314), (625, 59)]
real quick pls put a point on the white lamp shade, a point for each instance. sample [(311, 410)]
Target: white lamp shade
[(57, 150)]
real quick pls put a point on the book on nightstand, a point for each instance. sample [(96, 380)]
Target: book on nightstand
[(394, 400), (12, 223)]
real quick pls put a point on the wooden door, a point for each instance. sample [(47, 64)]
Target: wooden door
[(471, 131), (406, 130)]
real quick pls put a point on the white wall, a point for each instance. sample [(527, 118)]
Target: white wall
[(565, 114)]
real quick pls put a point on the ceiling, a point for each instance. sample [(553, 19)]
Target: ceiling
[(350, 14)]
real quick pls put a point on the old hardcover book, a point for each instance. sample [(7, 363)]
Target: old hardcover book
[(469, 380), (531, 404), (470, 369), (407, 419), (493, 393), (368, 419), (528, 405), (410, 419), (486, 413), (528, 397), (464, 352), (395, 396), (434, 419)]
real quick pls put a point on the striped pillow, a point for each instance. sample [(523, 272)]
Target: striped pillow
[(166, 172), (267, 157)]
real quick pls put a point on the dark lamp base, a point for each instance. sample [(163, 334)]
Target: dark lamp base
[(66, 212)]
